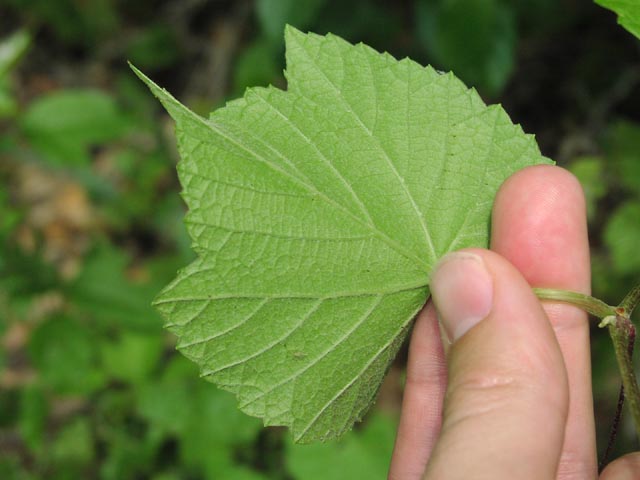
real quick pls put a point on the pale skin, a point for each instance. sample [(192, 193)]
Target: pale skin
[(509, 394)]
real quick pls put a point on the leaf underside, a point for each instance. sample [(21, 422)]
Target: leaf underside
[(317, 215), (628, 12)]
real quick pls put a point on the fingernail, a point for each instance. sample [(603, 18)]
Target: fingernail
[(462, 291)]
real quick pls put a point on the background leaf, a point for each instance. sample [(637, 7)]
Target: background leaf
[(628, 13), (65, 354), (623, 146), (476, 39), (11, 49), (275, 14), (362, 455), (64, 125), (622, 235), (590, 171)]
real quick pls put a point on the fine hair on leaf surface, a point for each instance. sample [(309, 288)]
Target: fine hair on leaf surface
[(317, 214)]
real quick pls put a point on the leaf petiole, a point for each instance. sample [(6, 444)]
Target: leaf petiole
[(621, 330), (631, 301), (587, 303)]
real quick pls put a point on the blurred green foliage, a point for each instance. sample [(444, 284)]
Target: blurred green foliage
[(91, 221), (365, 455), (474, 38), (11, 49), (63, 125)]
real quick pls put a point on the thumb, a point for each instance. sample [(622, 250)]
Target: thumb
[(623, 468), (507, 398)]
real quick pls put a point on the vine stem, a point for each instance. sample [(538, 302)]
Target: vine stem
[(622, 332)]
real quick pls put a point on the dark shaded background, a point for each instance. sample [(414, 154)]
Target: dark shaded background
[(90, 216)]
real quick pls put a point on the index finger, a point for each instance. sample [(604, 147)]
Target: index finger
[(539, 225)]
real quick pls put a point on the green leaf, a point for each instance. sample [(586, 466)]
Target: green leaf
[(103, 289), (622, 237), (318, 214), (590, 172), (213, 432), (360, 455), (210, 413), (474, 38), (74, 443), (154, 47), (273, 15), (11, 467), (628, 13), (63, 352), (11, 49), (33, 417), (128, 449), (63, 125), (205, 419), (132, 356), (623, 152), (256, 65)]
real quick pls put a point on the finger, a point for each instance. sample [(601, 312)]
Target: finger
[(623, 468), (539, 225), (422, 400), (507, 396)]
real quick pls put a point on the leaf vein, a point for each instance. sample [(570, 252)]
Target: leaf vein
[(381, 148), (322, 156), (281, 236), (269, 346), (377, 300), (230, 329), (355, 378), (298, 296)]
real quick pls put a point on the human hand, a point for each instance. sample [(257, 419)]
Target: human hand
[(509, 395)]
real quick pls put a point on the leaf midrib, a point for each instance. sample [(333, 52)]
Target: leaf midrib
[(358, 375), (377, 232), (349, 109), (174, 106), (423, 283)]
